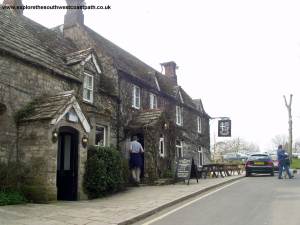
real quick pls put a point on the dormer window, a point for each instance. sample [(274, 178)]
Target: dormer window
[(153, 101), (136, 97), (88, 88), (179, 115)]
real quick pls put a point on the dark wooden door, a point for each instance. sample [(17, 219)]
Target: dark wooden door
[(67, 165)]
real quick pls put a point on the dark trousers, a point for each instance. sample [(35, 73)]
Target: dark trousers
[(286, 167)]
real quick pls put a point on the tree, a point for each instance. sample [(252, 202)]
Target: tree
[(289, 108), (236, 145), (279, 139)]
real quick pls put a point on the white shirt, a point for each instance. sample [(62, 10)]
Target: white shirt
[(136, 147)]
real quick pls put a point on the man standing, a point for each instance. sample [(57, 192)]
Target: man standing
[(283, 162), (136, 161)]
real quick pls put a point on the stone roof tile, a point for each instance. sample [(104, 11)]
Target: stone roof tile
[(32, 42)]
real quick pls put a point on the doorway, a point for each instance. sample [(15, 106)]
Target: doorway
[(67, 164), (140, 137)]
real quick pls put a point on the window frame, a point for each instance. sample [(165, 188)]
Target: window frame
[(104, 135), (200, 156), (153, 101), (199, 125), (179, 115), (179, 148), (162, 144), (91, 89), (135, 97)]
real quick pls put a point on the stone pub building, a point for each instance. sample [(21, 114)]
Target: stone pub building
[(65, 88)]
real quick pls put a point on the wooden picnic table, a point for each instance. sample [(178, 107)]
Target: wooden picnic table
[(234, 168), (215, 169), (220, 169)]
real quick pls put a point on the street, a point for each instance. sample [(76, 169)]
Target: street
[(261, 200)]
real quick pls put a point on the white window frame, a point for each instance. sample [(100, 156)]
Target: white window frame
[(179, 115), (88, 88), (180, 96), (162, 146), (153, 101), (200, 156), (104, 135), (136, 97), (157, 84), (199, 124), (179, 149)]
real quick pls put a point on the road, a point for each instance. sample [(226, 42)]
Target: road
[(261, 200)]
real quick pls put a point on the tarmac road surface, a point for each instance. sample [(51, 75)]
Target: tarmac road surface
[(260, 200)]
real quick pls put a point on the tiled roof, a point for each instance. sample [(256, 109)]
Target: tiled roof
[(146, 118), (32, 42), (128, 63), (47, 107)]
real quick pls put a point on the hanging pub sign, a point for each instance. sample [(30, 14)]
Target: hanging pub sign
[(224, 128)]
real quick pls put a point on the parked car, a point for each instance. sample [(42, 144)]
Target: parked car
[(259, 164), (235, 156)]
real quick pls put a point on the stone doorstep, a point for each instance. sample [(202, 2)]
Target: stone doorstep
[(176, 201)]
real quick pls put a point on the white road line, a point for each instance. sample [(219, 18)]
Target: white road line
[(189, 203)]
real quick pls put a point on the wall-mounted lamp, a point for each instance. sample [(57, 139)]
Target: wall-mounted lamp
[(54, 135), (84, 141), (165, 126)]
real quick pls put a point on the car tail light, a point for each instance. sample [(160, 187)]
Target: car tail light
[(248, 163)]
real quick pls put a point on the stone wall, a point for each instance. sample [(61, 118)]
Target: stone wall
[(20, 83), (36, 143)]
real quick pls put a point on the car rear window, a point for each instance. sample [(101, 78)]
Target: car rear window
[(259, 157)]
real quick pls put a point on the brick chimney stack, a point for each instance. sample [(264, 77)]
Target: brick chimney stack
[(170, 70), (14, 3), (74, 16)]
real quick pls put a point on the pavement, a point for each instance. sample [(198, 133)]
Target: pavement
[(123, 208)]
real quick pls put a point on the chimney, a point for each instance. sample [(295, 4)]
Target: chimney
[(170, 70), (14, 4), (74, 16)]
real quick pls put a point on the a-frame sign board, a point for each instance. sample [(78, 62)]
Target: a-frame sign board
[(186, 169)]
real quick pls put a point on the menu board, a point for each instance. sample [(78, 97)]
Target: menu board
[(184, 167)]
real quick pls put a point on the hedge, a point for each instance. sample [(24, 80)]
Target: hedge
[(105, 172)]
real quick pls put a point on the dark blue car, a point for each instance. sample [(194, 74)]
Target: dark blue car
[(259, 164)]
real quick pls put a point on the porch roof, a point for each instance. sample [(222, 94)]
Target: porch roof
[(145, 118), (53, 108)]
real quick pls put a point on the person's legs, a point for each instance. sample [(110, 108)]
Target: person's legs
[(280, 170), (134, 174), (138, 174), (287, 170)]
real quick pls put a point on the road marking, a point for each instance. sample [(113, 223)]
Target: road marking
[(189, 203)]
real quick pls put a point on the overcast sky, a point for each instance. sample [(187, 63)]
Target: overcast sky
[(240, 57)]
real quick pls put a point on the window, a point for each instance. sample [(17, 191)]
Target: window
[(179, 149), (88, 86), (179, 112), (199, 124), (200, 156), (153, 101), (136, 97), (100, 138), (2, 108), (161, 146)]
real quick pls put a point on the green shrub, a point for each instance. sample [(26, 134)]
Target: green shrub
[(104, 172), (11, 198)]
